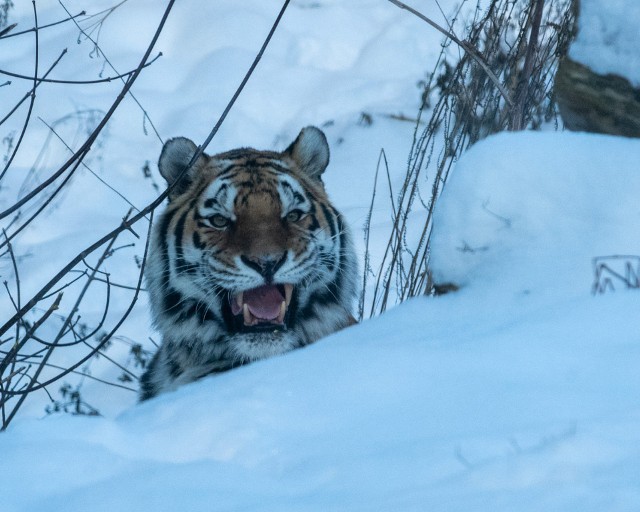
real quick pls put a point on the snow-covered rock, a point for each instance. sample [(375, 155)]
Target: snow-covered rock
[(607, 40), (531, 210), (598, 84)]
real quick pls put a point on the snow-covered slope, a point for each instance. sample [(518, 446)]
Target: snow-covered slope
[(518, 392)]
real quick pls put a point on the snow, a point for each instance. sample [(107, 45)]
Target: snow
[(607, 40), (571, 189), (440, 404), (518, 392)]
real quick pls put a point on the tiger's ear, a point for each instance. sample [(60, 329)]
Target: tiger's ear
[(310, 151), (176, 155)]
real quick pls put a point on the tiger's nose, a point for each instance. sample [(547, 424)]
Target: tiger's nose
[(266, 265)]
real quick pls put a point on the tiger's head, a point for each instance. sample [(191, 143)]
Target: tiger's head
[(250, 258)]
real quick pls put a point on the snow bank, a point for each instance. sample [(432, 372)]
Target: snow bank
[(486, 399), (607, 40), (529, 211)]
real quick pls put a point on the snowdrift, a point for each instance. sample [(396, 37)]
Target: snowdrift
[(518, 392)]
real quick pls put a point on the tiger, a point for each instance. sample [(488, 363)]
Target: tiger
[(248, 260)]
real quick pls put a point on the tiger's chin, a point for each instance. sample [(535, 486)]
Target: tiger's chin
[(257, 345), (262, 310)]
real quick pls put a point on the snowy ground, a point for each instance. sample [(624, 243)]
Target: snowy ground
[(519, 392)]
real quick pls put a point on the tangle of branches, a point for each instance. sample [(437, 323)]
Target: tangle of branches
[(498, 77), (50, 320)]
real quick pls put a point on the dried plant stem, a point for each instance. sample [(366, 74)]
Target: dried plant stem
[(518, 122), (465, 46), (520, 41)]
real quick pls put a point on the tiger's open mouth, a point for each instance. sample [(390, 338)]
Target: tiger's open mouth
[(262, 308)]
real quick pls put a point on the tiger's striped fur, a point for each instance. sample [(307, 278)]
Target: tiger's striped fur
[(245, 225)]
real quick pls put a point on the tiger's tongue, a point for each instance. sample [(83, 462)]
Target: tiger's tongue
[(264, 302)]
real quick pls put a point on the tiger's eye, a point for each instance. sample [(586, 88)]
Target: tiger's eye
[(294, 215), (219, 221)]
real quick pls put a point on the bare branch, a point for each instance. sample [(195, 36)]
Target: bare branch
[(79, 82), (84, 149), (523, 85), (5, 33)]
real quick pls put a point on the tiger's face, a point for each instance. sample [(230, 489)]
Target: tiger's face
[(256, 232), (250, 257)]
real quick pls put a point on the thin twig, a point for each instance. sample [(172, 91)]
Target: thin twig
[(84, 149), (33, 95), (5, 35), (8, 378), (367, 232), (79, 82), (523, 85), (17, 305)]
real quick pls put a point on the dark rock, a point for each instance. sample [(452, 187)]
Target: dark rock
[(597, 103)]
